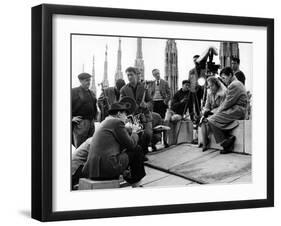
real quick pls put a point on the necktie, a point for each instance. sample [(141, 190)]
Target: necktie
[(157, 82)]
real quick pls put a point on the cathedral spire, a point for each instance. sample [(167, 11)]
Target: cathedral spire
[(105, 73), (118, 73), (93, 85), (171, 65), (139, 63), (228, 50)]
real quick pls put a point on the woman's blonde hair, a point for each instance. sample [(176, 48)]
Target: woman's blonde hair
[(215, 80)]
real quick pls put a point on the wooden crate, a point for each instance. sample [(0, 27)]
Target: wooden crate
[(184, 130), (248, 137), (87, 184)]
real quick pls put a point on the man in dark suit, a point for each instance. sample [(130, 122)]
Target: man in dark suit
[(160, 93), (182, 100), (235, 64), (113, 150), (84, 110), (136, 90), (195, 88)]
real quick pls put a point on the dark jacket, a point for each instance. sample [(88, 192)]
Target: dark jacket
[(179, 107), (84, 103), (106, 159), (112, 95), (240, 76), (164, 90), (127, 90), (109, 96)]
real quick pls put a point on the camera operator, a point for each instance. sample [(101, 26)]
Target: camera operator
[(195, 88)]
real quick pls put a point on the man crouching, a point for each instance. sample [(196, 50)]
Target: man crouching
[(113, 150)]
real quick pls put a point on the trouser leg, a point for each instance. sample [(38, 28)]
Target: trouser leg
[(219, 134), (146, 136), (80, 132), (91, 129), (160, 107), (204, 133), (136, 165), (156, 137)]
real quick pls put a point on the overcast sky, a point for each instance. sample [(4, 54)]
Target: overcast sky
[(85, 47)]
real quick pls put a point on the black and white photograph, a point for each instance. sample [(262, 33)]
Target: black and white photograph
[(160, 112), (139, 112)]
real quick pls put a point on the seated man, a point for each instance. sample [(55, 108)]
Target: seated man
[(79, 157), (157, 134), (232, 109), (182, 100), (113, 150)]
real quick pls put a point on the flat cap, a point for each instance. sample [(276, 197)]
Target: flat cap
[(83, 76)]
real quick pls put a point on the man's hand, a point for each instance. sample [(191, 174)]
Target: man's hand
[(143, 105), (129, 127), (184, 100), (135, 128), (77, 119)]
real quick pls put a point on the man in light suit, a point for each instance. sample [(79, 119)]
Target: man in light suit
[(160, 93), (233, 108)]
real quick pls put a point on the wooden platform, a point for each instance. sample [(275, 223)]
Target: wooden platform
[(180, 132)]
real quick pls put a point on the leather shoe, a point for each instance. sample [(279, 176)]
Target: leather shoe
[(205, 148), (228, 146), (145, 159), (166, 145), (227, 150), (154, 148), (228, 142)]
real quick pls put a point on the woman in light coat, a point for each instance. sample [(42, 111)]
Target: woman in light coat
[(215, 97)]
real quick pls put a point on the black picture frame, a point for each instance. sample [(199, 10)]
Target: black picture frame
[(42, 111)]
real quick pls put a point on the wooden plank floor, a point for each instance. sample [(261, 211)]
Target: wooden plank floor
[(176, 155), (189, 161), (158, 178)]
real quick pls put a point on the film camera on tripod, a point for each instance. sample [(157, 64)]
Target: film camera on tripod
[(204, 68)]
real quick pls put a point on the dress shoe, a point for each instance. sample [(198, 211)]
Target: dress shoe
[(206, 147), (154, 148), (228, 142), (228, 145), (145, 159), (166, 145), (227, 150)]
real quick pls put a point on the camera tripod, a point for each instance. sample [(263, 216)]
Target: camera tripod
[(192, 96)]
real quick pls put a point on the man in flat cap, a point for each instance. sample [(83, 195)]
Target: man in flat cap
[(84, 110)]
